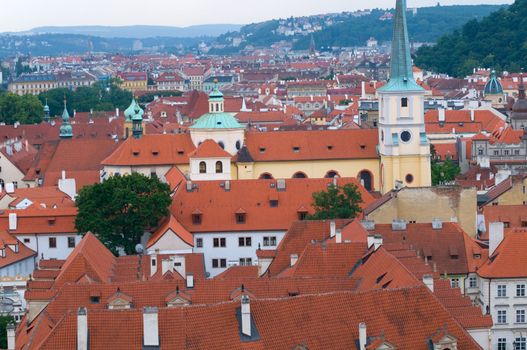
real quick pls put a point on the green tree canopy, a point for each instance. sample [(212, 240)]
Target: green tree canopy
[(25, 109), (338, 202), (120, 209), (444, 172), (86, 98)]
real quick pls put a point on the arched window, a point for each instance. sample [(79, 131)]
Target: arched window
[(219, 167), (299, 175), (202, 167), (331, 174), (366, 179), (221, 144), (266, 176)]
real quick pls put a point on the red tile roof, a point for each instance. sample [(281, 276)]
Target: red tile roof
[(218, 205), (171, 224), (209, 149), (312, 145), (509, 259)]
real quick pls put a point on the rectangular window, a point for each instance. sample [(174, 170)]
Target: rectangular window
[(273, 203), (246, 261), (454, 282), (269, 241), (219, 263), (27, 240), (502, 290), (199, 242), (244, 241), (496, 153), (302, 216), (71, 242), (219, 242), (404, 102), (502, 316), (520, 316), (502, 344), (52, 242), (196, 219), (480, 152), (520, 343), (506, 152), (520, 290), (516, 152), (472, 282)]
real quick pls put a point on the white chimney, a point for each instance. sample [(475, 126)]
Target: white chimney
[(117, 112), (294, 259), (441, 114), (428, 281), (363, 336), (472, 115), (153, 264), (12, 221), (338, 236), (150, 327), (363, 90), (166, 265), (246, 316), (375, 241), (82, 329), (10, 336), (179, 265), (9, 187), (190, 280), (332, 229), (495, 235)]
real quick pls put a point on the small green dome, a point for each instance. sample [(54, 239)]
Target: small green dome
[(216, 94), (217, 121), (46, 108), (66, 130), (493, 86)]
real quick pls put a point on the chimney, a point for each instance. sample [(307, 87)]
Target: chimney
[(63, 173), (10, 336), (190, 281), (375, 241), (294, 259), (82, 329), (428, 280), (117, 112), (150, 327), (441, 114), (166, 265), (153, 263), (246, 316), (12, 221), (332, 228), (363, 90), (338, 236), (495, 236), (437, 224), (363, 336), (472, 115)]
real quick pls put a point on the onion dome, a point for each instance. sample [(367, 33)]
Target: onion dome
[(493, 86)]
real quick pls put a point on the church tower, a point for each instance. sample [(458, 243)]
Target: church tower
[(403, 145)]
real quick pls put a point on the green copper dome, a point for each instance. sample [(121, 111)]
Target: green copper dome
[(217, 121), (493, 86), (216, 94), (401, 73), (134, 112)]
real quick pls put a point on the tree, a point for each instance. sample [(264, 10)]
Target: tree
[(25, 109), (444, 172), (4, 321), (338, 202), (120, 209)]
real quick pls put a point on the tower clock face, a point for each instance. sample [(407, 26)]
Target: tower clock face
[(406, 136)]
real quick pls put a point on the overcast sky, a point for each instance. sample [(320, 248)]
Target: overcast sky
[(18, 15)]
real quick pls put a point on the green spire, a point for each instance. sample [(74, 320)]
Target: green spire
[(66, 131), (401, 73)]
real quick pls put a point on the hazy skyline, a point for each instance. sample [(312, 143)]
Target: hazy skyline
[(26, 14)]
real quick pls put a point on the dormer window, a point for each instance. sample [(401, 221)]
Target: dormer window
[(135, 153), (196, 219), (241, 216), (262, 149), (51, 222), (296, 149)]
